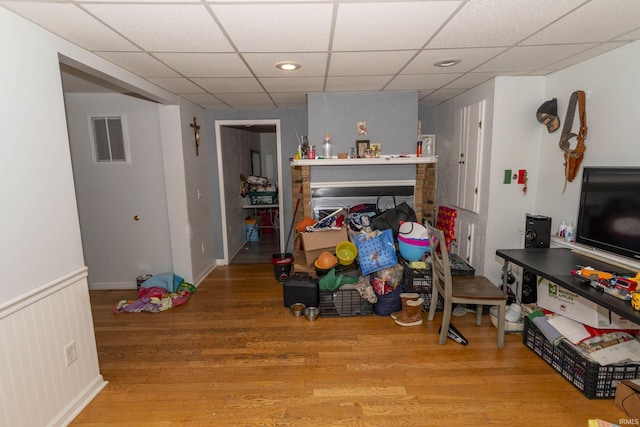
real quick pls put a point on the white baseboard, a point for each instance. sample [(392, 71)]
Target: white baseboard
[(204, 274), (76, 406)]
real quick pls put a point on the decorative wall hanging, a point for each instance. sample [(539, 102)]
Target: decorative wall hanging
[(362, 128), (196, 134), (573, 157)]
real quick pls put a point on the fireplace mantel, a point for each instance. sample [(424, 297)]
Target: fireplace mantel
[(383, 160), (424, 192)]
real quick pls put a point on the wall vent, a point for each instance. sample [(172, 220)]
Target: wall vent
[(109, 139)]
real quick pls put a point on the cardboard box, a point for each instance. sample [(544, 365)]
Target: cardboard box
[(569, 304), (628, 398), (316, 242)]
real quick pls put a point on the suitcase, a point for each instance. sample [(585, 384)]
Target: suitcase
[(301, 288)]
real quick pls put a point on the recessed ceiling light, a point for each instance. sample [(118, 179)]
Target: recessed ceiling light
[(447, 62), (288, 66)]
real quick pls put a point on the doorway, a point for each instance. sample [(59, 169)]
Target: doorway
[(231, 152)]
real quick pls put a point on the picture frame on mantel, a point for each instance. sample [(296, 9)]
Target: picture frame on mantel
[(361, 146), (428, 145)]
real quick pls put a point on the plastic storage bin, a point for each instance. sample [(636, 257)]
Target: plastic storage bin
[(593, 380)]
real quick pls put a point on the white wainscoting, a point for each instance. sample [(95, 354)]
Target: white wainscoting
[(37, 388)]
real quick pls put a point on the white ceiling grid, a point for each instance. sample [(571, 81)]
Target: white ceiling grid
[(221, 54)]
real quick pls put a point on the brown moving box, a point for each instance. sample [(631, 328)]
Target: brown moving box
[(628, 397), (316, 242)]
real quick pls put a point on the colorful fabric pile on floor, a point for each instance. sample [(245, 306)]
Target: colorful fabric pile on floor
[(159, 293)]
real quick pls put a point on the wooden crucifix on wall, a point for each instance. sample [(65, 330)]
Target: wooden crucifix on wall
[(196, 134)]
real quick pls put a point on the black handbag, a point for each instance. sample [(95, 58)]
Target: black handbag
[(391, 218)]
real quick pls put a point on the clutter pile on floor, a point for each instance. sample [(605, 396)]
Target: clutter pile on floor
[(159, 293)]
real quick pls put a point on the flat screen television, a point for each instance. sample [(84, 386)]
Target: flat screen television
[(609, 210)]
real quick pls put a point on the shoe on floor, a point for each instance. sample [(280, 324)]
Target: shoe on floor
[(460, 310)]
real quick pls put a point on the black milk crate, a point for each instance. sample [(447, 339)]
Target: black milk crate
[(593, 380), (344, 303), (420, 281)]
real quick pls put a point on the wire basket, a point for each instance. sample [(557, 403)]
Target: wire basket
[(344, 303)]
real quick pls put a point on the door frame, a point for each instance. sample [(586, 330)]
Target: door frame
[(223, 207)]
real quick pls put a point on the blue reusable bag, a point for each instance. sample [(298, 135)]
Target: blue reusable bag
[(376, 250)]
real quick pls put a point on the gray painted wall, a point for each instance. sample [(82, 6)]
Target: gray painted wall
[(117, 249), (392, 120)]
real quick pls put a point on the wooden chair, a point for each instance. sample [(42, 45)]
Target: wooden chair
[(460, 289)]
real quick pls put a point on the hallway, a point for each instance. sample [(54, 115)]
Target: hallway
[(258, 252)]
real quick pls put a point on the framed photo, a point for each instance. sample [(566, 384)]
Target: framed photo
[(362, 128), (361, 146), (428, 145)]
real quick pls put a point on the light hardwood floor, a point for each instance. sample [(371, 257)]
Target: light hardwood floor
[(234, 356)]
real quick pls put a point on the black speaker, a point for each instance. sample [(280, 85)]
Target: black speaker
[(537, 232), (537, 235), (529, 287)]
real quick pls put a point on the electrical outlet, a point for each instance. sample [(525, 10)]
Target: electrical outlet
[(203, 249), (70, 354)]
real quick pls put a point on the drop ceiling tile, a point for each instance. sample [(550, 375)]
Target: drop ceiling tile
[(356, 83), (263, 64), (176, 85), (71, 23), (424, 93), (622, 16), (164, 27), (290, 98), (471, 58), (228, 84), (293, 84), (130, 1), (469, 80), (389, 25), (216, 107), (276, 27), (205, 64), (202, 98), (139, 63), (499, 22), (526, 58), (630, 36), (246, 99), (368, 63), (443, 94), (420, 81), (587, 54)]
